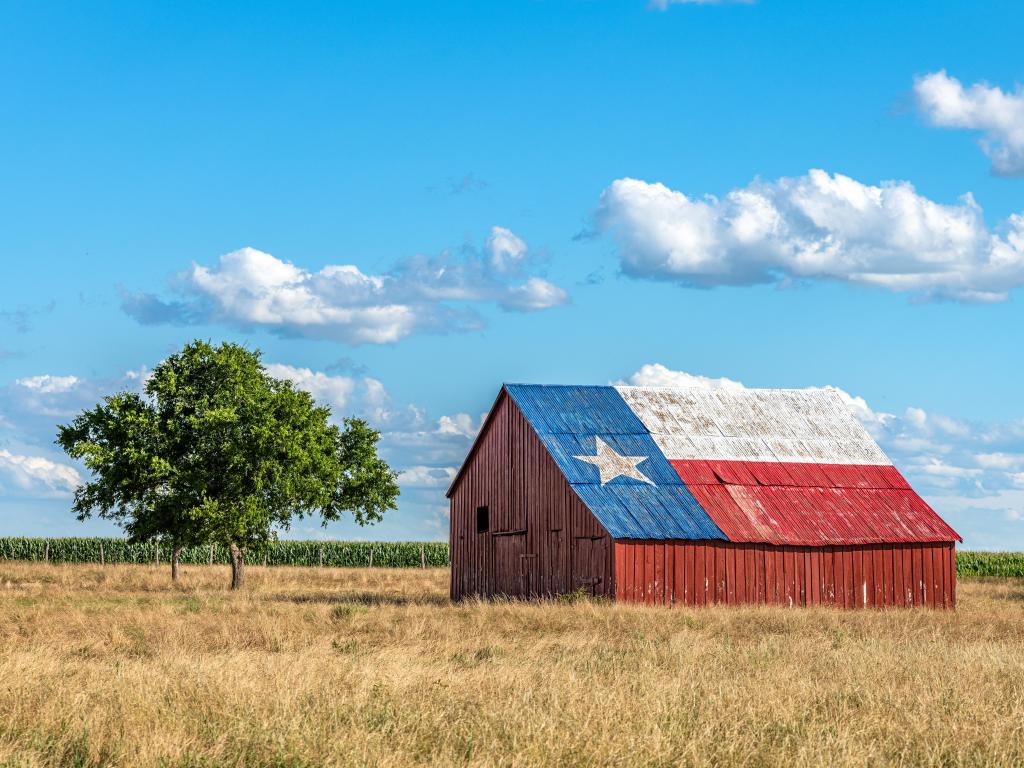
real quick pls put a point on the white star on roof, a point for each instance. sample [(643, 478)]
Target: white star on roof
[(611, 464)]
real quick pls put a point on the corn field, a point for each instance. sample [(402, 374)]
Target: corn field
[(360, 554), (990, 564)]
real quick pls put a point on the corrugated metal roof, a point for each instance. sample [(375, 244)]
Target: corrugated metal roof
[(773, 466), (569, 420), (820, 515), (812, 426)]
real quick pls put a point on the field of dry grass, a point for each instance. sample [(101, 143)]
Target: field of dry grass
[(113, 666)]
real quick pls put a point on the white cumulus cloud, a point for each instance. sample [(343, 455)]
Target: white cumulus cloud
[(249, 287), (535, 294), (658, 375), (816, 226), (48, 385), (506, 248), (998, 115), (37, 475), (410, 441), (326, 389), (458, 424), (426, 477)]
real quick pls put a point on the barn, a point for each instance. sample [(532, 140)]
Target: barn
[(691, 497)]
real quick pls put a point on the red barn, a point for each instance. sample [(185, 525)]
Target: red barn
[(691, 496)]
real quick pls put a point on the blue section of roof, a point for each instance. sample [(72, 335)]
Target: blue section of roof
[(639, 511), (568, 420), (575, 410), (565, 448)]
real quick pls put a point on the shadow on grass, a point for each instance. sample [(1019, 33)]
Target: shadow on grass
[(1016, 595), (363, 598)]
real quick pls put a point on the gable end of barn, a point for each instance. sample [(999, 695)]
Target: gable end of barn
[(517, 527)]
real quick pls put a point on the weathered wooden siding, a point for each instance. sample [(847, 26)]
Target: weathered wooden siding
[(667, 572), (542, 539)]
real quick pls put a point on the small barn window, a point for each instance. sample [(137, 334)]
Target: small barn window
[(483, 522)]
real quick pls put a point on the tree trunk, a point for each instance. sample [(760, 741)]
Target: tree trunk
[(175, 551), (237, 566)]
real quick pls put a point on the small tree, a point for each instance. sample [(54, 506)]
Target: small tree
[(221, 451)]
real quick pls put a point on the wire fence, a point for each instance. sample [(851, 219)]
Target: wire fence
[(343, 554)]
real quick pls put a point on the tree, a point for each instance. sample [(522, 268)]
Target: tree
[(219, 451)]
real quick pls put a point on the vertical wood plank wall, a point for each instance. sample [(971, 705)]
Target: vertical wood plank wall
[(542, 539), (704, 572)]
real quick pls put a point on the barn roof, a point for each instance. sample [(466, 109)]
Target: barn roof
[(771, 466)]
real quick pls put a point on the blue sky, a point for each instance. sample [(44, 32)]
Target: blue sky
[(405, 204)]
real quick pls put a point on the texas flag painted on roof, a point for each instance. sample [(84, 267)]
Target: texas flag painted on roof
[(766, 466)]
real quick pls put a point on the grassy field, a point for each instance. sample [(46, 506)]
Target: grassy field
[(112, 666)]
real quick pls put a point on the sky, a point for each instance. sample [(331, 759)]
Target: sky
[(405, 204)]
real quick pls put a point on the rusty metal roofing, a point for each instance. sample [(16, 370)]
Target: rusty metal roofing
[(773, 466)]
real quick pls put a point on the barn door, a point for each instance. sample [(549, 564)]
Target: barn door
[(529, 567), (588, 564), (556, 570), (510, 574)]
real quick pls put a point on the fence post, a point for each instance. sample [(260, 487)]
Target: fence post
[(423, 557), (321, 555), (264, 558), (156, 556), (211, 554), (46, 552), (371, 557), (102, 562)]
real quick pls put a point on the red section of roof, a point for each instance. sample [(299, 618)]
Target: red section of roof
[(812, 504)]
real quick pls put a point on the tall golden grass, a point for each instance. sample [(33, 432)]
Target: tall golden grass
[(113, 666)]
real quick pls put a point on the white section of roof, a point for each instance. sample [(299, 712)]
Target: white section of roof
[(809, 426)]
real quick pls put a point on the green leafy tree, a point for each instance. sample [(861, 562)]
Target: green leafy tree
[(219, 451)]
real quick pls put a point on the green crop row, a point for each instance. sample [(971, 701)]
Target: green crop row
[(990, 564), (384, 554)]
